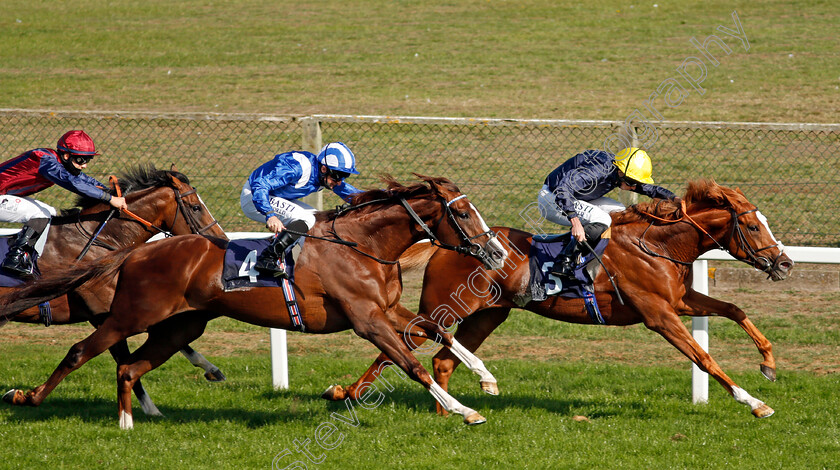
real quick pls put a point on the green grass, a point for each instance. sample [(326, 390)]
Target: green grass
[(473, 58), (535, 59), (638, 417), (631, 386)]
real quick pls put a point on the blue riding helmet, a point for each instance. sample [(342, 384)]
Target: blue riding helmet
[(338, 157)]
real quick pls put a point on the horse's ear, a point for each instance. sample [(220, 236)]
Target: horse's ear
[(172, 168)]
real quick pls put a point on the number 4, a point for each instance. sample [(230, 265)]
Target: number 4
[(247, 268)]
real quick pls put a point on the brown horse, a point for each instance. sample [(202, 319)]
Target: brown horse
[(163, 198), (339, 287), (650, 255)]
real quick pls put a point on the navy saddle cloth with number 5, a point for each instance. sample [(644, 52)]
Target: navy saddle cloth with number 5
[(543, 253)]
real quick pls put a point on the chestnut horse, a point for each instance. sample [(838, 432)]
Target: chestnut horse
[(650, 254), (339, 287), (163, 198)]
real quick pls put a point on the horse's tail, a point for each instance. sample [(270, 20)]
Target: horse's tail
[(59, 282), (417, 256)]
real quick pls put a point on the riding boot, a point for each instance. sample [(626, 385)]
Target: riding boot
[(564, 265), (18, 260), (566, 262), (268, 262)]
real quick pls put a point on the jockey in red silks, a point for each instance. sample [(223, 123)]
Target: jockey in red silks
[(272, 191), (34, 171)]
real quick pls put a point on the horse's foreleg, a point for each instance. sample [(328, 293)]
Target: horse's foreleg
[(399, 317), (472, 331), (672, 329), (211, 372), (379, 332), (702, 305), (338, 393), (487, 381)]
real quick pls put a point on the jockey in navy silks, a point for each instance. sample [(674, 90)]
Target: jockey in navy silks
[(273, 190), (573, 195), (34, 171)]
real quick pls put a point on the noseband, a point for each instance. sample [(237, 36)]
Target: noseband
[(759, 262)]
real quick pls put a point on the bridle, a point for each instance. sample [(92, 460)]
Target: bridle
[(467, 247), (762, 263), (182, 208)]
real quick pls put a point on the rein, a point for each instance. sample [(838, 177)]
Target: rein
[(751, 254), (194, 227), (472, 249)]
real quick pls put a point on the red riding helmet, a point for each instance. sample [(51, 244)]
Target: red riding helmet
[(77, 143)]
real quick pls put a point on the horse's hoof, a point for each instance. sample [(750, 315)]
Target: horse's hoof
[(14, 397), (474, 418), (215, 375), (763, 411), (334, 393), (769, 372), (491, 388)]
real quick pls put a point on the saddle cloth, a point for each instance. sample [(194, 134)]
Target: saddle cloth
[(238, 272), (543, 252)]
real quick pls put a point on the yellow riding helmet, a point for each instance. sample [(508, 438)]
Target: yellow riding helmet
[(635, 163)]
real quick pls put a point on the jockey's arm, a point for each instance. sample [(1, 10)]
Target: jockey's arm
[(577, 229), (346, 190)]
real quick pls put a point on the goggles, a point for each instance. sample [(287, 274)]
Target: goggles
[(337, 175), (81, 159)]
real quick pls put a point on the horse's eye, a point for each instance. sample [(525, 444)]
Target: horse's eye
[(753, 228), (464, 215), (196, 208)]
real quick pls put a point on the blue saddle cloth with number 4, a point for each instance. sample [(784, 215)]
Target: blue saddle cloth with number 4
[(543, 253), (238, 272), (240, 258)]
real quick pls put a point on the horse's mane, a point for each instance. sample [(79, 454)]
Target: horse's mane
[(701, 191), (141, 177), (393, 190)]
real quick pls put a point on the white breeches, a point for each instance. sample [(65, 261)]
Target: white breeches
[(21, 209), (287, 210), (594, 211)]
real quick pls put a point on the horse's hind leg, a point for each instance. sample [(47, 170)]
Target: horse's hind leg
[(120, 353), (95, 344), (672, 329), (702, 305), (211, 372), (164, 340)]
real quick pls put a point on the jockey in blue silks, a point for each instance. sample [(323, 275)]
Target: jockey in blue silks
[(273, 190)]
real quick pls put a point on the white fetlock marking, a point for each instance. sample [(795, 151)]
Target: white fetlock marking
[(126, 421), (741, 396), (447, 402), (471, 361)]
